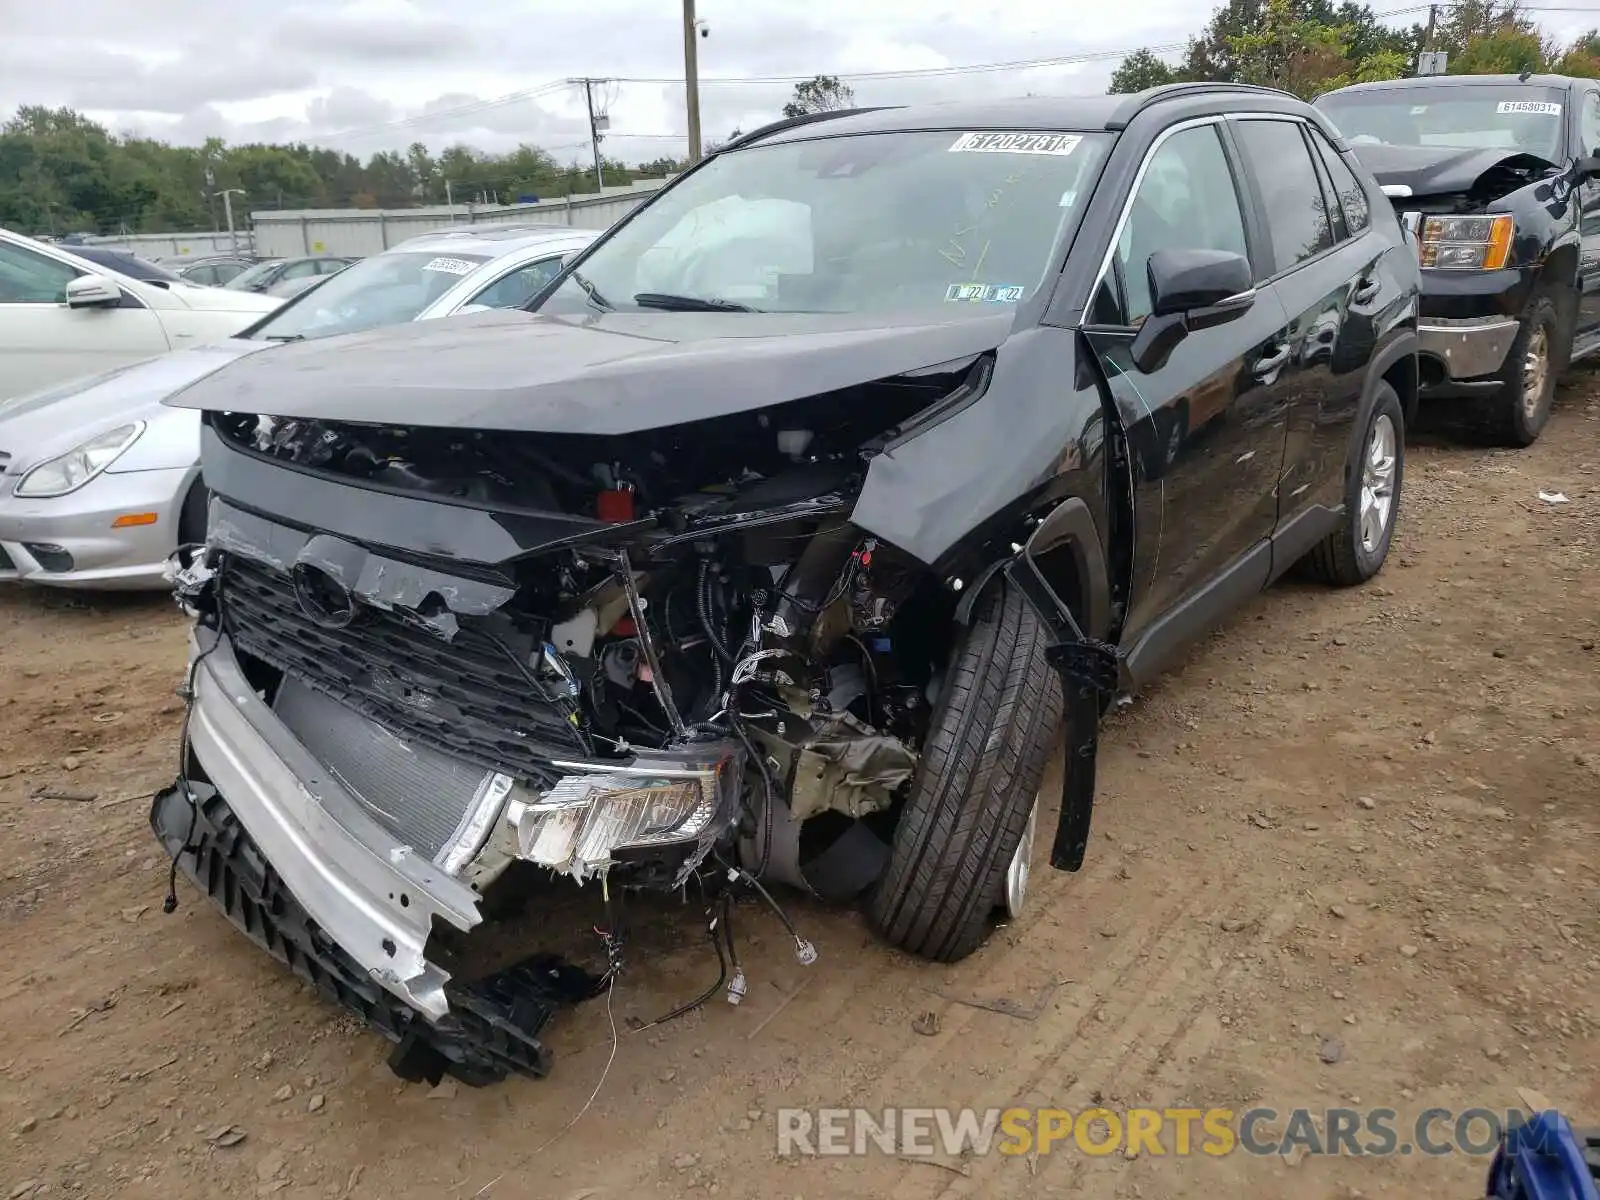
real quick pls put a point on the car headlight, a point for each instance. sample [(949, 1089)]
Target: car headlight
[(70, 471), (1466, 243)]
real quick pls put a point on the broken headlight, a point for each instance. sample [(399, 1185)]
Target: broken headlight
[(1466, 243), (582, 824)]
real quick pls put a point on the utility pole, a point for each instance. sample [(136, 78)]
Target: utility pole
[(691, 79), (1433, 18), (227, 195), (594, 129)]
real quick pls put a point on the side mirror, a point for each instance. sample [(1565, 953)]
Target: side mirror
[(93, 291), (1589, 168), (1190, 290)]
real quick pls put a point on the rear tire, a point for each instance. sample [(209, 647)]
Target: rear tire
[(1519, 412), (1356, 551), (992, 733)]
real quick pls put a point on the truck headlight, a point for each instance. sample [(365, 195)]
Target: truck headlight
[(70, 471), (1466, 243)]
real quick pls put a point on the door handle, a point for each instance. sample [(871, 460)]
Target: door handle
[(1367, 290), (1269, 363)]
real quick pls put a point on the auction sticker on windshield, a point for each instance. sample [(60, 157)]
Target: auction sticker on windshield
[(979, 293), (1544, 107), (1016, 143), (450, 266)]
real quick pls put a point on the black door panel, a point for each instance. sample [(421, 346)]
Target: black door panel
[(1205, 438), (1333, 334)]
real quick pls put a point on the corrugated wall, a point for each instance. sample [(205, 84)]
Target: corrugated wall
[(363, 231)]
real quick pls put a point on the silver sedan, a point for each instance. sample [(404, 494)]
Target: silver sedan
[(100, 481)]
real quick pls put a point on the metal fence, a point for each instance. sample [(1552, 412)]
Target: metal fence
[(363, 231), (169, 245)]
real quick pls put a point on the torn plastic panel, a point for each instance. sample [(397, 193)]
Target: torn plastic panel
[(331, 575)]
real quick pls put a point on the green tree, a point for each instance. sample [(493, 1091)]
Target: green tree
[(1581, 58), (1140, 70), (1507, 50), (824, 93), (1287, 49)]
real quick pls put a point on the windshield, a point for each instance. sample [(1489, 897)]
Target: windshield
[(383, 290), (1454, 117), (253, 275), (856, 223)]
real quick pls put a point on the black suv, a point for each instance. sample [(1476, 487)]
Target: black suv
[(1499, 176), (779, 538)]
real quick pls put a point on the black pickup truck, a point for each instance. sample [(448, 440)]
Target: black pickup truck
[(1498, 175)]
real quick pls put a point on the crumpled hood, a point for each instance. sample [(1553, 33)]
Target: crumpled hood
[(609, 373), (1437, 170), (43, 424)]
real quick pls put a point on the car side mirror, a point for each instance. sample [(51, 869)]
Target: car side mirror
[(93, 291), (1190, 290), (1589, 168)]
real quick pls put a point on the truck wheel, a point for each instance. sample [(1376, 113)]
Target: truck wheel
[(974, 794), (1518, 412), (1355, 552)]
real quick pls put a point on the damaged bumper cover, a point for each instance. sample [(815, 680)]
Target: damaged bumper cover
[(295, 857)]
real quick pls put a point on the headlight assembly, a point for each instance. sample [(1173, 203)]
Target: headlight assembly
[(1466, 243), (70, 471)]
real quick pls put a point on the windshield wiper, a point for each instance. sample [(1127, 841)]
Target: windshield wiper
[(674, 303), (285, 337), (589, 289)]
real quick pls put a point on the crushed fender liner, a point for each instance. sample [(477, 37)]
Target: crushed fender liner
[(493, 1025), (1089, 670)]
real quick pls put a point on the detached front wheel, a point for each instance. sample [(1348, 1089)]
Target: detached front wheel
[(961, 848)]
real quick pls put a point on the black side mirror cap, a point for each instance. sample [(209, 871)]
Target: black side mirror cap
[(1182, 281), (1190, 290), (1589, 168)]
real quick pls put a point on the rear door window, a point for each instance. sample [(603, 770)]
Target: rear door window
[(1351, 195), (1292, 201)]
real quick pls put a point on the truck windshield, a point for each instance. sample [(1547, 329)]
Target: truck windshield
[(848, 224), (1506, 117)]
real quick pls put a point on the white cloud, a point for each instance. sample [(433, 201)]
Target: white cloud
[(368, 75)]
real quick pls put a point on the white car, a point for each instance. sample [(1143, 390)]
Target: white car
[(62, 316), (100, 481)]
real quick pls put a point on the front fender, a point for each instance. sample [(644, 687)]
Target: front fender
[(969, 481)]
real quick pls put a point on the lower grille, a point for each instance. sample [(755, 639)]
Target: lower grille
[(462, 698), (5, 561)]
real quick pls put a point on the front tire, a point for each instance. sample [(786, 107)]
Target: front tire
[(975, 790), (1519, 411), (1356, 551)]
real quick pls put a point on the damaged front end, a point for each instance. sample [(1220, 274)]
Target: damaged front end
[(435, 669)]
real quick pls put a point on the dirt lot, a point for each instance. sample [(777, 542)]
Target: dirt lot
[(1358, 826)]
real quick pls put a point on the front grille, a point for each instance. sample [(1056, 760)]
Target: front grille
[(463, 698), (5, 561)]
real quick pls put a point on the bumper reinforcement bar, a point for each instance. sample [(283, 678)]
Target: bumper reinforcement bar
[(492, 1028)]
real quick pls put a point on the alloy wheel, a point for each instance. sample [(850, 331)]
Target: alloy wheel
[(1379, 466), (1017, 872)]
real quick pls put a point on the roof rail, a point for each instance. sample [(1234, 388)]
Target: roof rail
[(1139, 101), (796, 122)]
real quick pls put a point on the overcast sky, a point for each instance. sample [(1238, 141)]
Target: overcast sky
[(367, 75)]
